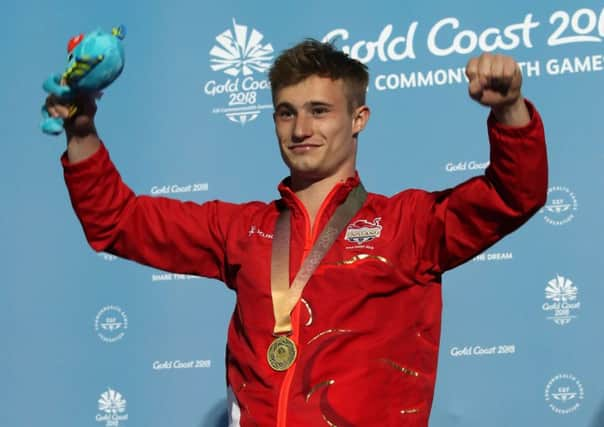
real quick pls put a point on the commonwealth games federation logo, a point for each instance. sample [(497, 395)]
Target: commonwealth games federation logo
[(112, 406), (560, 207), (564, 394), (241, 54), (111, 323), (562, 300)]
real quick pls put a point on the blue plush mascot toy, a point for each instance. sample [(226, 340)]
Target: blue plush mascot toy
[(95, 61)]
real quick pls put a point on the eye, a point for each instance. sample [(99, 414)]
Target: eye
[(284, 114), (70, 57), (319, 110)]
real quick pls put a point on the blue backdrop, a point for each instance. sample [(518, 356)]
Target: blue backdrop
[(522, 340)]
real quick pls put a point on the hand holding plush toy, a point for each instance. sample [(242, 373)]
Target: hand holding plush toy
[(95, 61)]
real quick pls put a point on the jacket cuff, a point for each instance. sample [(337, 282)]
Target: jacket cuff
[(516, 131), (89, 166)]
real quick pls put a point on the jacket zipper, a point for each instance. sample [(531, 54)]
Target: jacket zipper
[(311, 236)]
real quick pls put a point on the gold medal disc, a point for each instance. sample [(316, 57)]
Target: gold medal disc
[(281, 353)]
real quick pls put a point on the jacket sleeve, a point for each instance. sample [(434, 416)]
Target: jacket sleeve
[(457, 224), (176, 236)]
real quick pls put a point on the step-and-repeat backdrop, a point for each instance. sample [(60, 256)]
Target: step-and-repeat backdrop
[(92, 340)]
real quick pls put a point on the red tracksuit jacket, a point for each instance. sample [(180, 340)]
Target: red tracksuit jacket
[(368, 324)]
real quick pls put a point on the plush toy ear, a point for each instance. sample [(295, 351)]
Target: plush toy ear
[(119, 32)]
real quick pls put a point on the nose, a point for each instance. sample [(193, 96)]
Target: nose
[(302, 128)]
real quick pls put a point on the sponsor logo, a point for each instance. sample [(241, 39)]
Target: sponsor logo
[(113, 409), (256, 231), (362, 231), (241, 55), (564, 394), (560, 207), (561, 295), (111, 323)]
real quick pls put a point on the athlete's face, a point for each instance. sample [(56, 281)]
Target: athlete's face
[(317, 130)]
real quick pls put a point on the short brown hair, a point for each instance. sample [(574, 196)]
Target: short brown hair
[(312, 57)]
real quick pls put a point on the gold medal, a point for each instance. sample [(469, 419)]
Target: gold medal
[(281, 353)]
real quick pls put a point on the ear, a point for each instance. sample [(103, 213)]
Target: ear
[(360, 118)]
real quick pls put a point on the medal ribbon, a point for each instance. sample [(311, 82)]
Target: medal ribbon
[(286, 297)]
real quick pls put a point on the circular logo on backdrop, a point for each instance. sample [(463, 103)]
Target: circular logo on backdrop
[(111, 323), (560, 207), (564, 394)]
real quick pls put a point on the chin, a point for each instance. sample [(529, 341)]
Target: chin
[(306, 173), (303, 168)]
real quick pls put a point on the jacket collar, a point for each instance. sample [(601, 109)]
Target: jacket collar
[(336, 196)]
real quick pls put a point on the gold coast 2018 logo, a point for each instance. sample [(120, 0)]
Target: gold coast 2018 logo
[(241, 54), (112, 407), (562, 300)]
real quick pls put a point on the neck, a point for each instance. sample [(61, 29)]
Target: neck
[(312, 193)]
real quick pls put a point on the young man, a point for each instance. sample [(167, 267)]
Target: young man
[(338, 312)]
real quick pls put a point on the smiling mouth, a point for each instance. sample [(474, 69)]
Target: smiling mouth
[(303, 147)]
